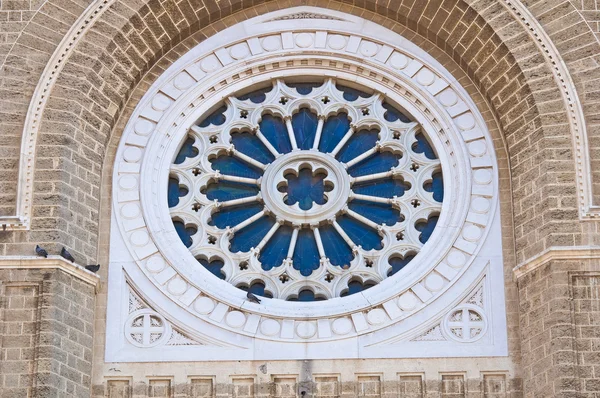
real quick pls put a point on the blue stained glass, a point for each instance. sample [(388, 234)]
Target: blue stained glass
[(423, 146), (232, 216), (304, 124), (188, 150), (436, 186), (215, 267), (256, 96), (426, 228), (336, 249), (377, 212), (274, 129), (305, 189), (352, 94), (384, 188), (360, 233), (306, 295), (175, 191), (250, 145), (275, 251), (392, 114), (216, 118), (233, 166), (334, 129), (398, 263), (360, 142), (228, 190), (378, 163), (306, 255), (257, 288), (185, 233), (357, 287), (250, 236), (304, 88)]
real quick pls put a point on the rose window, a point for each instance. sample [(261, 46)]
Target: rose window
[(305, 191)]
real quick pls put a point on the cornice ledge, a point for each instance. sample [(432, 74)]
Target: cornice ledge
[(556, 253), (52, 262)]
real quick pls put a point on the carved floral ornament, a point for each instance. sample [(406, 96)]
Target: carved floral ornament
[(251, 126)]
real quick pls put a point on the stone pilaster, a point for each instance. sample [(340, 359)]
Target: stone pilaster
[(559, 303), (46, 328)]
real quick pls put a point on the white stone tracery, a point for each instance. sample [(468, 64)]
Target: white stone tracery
[(464, 245), (365, 113)]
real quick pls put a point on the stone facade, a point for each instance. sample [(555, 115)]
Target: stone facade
[(71, 74), (47, 330), (559, 327)]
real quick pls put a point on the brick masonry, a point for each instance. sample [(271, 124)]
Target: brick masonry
[(132, 42), (46, 334), (560, 329)]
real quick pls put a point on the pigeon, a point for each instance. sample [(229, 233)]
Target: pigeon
[(40, 251), (65, 254), (93, 267), (252, 298)]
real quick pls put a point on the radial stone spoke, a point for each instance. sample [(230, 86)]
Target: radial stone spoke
[(319, 131), (244, 180), (371, 177), (319, 242), (248, 221), (266, 142), (369, 198), (344, 235), (268, 236), (240, 201), (290, 129), (343, 141), (362, 219), (248, 159), (363, 156), (292, 247)]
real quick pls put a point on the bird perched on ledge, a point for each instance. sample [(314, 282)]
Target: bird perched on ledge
[(93, 267), (66, 255), (252, 298), (40, 251)]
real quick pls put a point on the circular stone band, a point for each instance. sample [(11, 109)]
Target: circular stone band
[(294, 161), (455, 123)]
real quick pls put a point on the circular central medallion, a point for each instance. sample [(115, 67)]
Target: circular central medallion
[(305, 187)]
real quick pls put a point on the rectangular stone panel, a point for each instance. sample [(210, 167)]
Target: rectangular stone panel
[(284, 386), (453, 386), (242, 387), (494, 386), (327, 387), (118, 389), (410, 386), (369, 386), (18, 339), (201, 387), (586, 308), (159, 388)]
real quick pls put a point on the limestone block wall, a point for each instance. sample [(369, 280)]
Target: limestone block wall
[(560, 328), (46, 314), (46, 330)]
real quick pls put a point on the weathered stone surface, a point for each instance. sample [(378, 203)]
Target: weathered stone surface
[(45, 348)]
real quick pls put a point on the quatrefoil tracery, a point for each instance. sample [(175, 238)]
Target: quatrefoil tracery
[(375, 165)]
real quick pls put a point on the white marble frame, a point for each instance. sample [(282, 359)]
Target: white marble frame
[(383, 310)]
